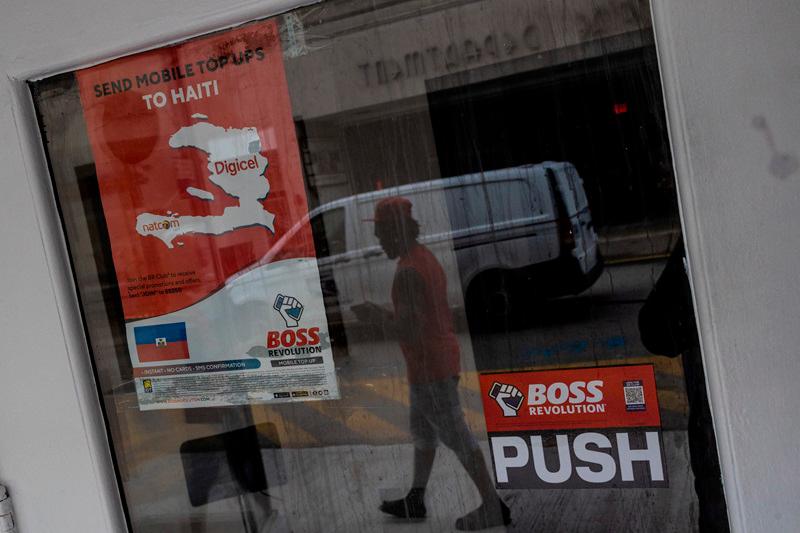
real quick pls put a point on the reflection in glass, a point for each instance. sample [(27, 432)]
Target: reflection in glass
[(529, 138)]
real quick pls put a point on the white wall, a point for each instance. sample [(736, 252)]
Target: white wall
[(724, 63)]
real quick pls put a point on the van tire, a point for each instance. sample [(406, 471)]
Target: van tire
[(490, 302)]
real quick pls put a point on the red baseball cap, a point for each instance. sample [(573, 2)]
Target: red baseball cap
[(392, 208)]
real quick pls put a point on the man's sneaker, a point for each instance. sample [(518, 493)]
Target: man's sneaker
[(487, 515), (412, 507)]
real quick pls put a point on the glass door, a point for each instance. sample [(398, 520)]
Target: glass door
[(389, 265)]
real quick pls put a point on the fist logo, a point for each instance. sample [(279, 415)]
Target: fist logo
[(290, 309), (508, 397)]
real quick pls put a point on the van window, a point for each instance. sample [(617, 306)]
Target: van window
[(576, 187), (329, 233)]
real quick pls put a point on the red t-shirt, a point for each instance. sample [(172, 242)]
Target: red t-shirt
[(437, 356)]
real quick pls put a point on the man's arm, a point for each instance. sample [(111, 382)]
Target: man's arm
[(410, 306), (372, 313)]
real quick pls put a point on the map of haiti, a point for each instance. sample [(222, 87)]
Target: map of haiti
[(236, 165)]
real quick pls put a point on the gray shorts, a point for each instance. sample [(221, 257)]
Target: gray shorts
[(436, 415)]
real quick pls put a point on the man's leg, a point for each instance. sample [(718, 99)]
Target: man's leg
[(424, 435), (423, 465), (452, 429)]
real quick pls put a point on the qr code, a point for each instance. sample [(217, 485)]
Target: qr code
[(634, 395)]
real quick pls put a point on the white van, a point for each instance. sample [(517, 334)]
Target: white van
[(495, 233), (498, 230)]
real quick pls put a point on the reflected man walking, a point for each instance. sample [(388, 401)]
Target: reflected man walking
[(423, 325)]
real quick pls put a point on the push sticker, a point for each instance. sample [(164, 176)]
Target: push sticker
[(575, 428)]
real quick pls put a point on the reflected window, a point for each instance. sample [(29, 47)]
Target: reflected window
[(329, 232)]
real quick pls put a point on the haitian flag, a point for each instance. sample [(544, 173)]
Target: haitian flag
[(162, 342)]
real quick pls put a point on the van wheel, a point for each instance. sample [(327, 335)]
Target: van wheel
[(490, 303)]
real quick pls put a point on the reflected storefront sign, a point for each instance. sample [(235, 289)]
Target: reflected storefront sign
[(425, 41)]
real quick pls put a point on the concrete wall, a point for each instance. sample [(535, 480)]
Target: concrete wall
[(730, 74)]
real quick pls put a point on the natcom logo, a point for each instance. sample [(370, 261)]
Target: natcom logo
[(508, 397), (160, 225)]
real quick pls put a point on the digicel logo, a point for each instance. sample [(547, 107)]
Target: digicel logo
[(579, 397), (290, 338), (235, 166)]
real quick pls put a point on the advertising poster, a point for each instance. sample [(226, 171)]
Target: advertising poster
[(202, 190), (575, 428)]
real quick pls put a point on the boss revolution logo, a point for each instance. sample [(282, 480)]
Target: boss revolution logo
[(508, 397), (566, 398), (559, 398), (290, 309), (293, 340)]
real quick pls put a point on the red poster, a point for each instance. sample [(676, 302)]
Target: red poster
[(202, 189), (139, 111)]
